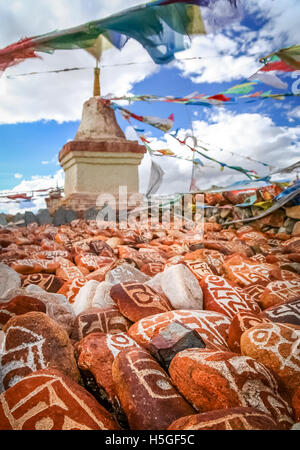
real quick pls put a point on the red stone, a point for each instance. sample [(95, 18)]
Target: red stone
[(68, 271), (228, 248), (19, 305), (28, 266), (152, 268), (296, 404), (288, 312), (49, 283), (212, 380), (220, 296), (146, 394), (199, 268), (92, 320), (245, 272), (292, 245), (227, 419), (33, 342), (278, 292), (212, 327), (71, 288), (92, 262), (277, 346), (50, 400), (96, 353), (240, 323), (136, 301)]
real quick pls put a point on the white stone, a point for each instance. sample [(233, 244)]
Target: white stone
[(102, 298), (2, 341), (57, 306), (296, 426), (84, 298), (155, 283), (181, 287), (9, 279), (125, 272)]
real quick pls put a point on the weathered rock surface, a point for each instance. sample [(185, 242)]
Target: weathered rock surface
[(33, 342), (145, 391), (50, 400)]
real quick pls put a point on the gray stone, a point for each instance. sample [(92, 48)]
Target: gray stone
[(63, 216), (3, 219), (70, 215), (44, 217), (18, 217), (171, 340), (30, 218), (296, 426), (90, 214)]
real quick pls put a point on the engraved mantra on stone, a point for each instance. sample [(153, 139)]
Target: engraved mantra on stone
[(262, 338), (143, 295), (17, 421), (192, 320), (252, 274), (117, 342), (241, 365), (102, 321), (35, 357), (227, 298), (158, 384)]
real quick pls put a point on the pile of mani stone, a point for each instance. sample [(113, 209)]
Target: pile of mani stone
[(155, 327)]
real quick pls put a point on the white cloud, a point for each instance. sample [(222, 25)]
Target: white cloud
[(60, 96), (294, 114), (35, 183), (18, 176), (245, 135)]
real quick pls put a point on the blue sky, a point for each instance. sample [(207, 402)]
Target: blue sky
[(40, 113)]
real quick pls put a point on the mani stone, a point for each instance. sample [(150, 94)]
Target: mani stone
[(96, 353), (50, 400), (48, 282), (277, 346), (145, 391), (33, 342), (19, 305), (220, 296), (227, 419), (211, 326), (284, 313), (136, 300), (30, 218), (9, 279), (43, 217), (172, 340), (212, 380), (241, 322), (296, 403), (92, 320)]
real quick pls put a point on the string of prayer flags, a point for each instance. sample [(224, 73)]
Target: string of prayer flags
[(288, 57), (157, 122), (162, 28)]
